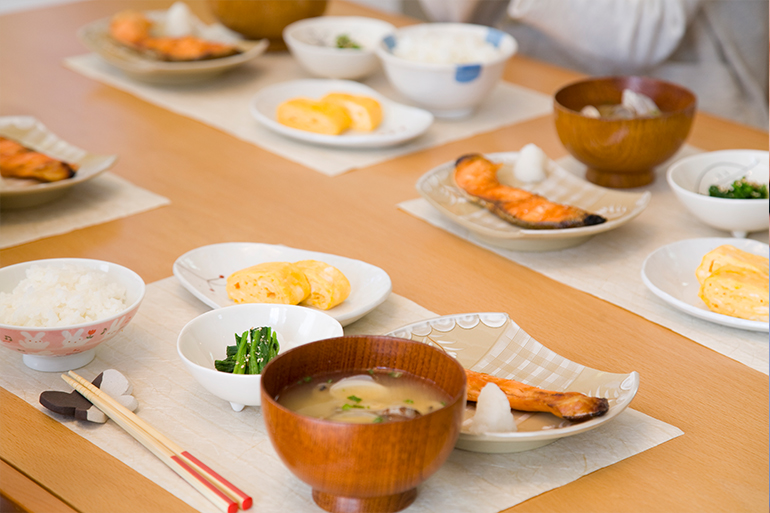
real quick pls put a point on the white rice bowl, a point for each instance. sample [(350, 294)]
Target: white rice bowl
[(446, 68), (64, 308)]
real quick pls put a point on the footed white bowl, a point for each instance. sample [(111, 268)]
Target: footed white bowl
[(205, 339), (691, 177), (312, 42)]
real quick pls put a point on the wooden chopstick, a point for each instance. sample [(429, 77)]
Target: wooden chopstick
[(243, 500), (214, 487)]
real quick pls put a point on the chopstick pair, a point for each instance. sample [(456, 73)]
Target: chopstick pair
[(211, 485)]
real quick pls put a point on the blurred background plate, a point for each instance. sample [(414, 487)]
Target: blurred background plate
[(492, 343), (204, 271), (438, 187), (400, 123), (95, 36), (23, 193), (669, 272)]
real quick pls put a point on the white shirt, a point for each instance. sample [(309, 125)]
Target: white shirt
[(716, 48)]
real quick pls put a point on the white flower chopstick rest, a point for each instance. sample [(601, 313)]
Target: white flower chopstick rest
[(75, 405)]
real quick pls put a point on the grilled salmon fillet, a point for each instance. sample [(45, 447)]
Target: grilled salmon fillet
[(567, 405), (132, 28), (17, 161), (477, 178)]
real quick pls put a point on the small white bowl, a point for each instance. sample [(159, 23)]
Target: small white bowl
[(312, 42), (691, 177), (63, 348), (205, 339), (447, 89)]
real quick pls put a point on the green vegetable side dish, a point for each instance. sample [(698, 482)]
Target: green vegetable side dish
[(251, 352), (344, 41), (740, 189)]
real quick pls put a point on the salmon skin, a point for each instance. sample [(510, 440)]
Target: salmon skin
[(477, 178), (567, 405), (17, 161), (132, 28)]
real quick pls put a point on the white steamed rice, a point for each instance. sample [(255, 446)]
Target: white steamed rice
[(445, 48), (53, 296)]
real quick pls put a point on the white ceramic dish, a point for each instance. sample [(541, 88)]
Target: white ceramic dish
[(474, 338), (63, 348), (448, 90), (313, 43), (669, 272), (203, 271), (400, 123), (205, 339), (691, 177), (23, 193), (95, 36), (438, 187)]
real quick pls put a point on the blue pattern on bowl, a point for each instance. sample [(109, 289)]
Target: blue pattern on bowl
[(390, 42), (467, 73), (494, 37)]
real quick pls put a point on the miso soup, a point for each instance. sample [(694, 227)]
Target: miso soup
[(363, 397)]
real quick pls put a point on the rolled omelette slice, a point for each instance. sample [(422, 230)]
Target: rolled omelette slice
[(328, 286), (313, 116), (737, 292), (365, 112), (730, 255), (269, 282)]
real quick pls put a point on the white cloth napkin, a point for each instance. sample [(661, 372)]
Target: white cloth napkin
[(236, 445), (99, 200), (223, 103), (609, 265)]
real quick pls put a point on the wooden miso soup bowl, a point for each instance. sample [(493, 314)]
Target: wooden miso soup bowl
[(363, 467), (258, 19), (621, 153)]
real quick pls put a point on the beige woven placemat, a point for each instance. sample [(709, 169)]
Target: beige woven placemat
[(104, 198), (236, 444), (609, 265), (223, 103)]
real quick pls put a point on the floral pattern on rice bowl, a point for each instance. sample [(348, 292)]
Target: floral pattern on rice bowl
[(63, 341)]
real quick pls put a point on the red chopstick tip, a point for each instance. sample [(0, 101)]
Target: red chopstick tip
[(232, 508), (247, 502)]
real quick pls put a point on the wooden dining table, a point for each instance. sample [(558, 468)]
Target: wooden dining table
[(224, 189)]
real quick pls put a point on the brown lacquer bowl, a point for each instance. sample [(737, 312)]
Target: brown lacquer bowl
[(621, 153), (363, 467), (259, 19)]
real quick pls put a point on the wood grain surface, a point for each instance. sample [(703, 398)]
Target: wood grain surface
[(223, 189)]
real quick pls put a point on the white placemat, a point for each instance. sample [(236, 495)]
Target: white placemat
[(224, 103), (104, 198), (609, 265), (236, 444)]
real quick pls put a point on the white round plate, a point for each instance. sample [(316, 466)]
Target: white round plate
[(492, 343), (204, 271), (28, 131), (669, 272), (400, 123)]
